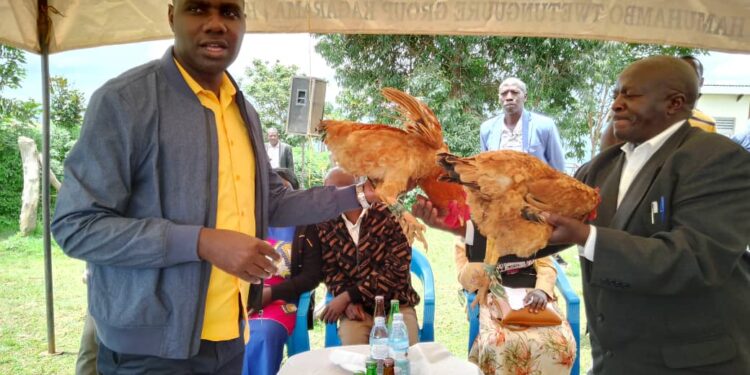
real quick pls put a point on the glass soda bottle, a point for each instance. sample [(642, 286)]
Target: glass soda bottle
[(398, 345), (379, 307)]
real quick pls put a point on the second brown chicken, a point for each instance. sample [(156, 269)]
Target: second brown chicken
[(507, 191)]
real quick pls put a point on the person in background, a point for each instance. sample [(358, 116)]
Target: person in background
[(365, 254), (167, 196), (743, 139), (279, 153)]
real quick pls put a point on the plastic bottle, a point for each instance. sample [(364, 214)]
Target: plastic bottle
[(394, 310), (379, 340), (398, 345)]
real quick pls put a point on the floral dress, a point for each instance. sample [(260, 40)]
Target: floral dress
[(532, 351)]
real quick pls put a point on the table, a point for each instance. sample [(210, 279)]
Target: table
[(425, 358)]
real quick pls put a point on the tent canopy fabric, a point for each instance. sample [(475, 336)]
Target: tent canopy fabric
[(722, 25)]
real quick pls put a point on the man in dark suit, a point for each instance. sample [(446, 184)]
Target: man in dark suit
[(666, 275), (279, 153)]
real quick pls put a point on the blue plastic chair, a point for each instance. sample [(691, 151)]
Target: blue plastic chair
[(420, 266), (573, 303), (299, 341)]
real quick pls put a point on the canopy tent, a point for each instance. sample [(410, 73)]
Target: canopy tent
[(722, 25), (48, 26)]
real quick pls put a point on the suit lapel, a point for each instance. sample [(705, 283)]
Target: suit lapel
[(525, 130), (642, 182)]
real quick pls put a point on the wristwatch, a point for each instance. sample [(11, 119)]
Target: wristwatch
[(361, 195)]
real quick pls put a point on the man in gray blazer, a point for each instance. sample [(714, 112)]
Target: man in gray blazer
[(279, 153), (666, 274)]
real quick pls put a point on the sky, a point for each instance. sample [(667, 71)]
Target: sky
[(88, 69)]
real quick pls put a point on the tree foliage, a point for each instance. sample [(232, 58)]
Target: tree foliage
[(458, 77), (268, 88)]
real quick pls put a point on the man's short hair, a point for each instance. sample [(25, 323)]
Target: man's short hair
[(513, 81)]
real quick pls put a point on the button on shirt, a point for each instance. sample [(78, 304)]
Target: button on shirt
[(512, 139), (635, 158), (235, 204)]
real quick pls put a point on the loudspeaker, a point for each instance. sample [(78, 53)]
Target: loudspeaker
[(306, 105)]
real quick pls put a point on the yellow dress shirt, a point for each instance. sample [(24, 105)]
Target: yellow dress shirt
[(235, 205)]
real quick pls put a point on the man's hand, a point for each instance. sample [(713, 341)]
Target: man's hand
[(535, 300), (238, 254), (336, 308), (424, 210), (566, 230), (354, 311)]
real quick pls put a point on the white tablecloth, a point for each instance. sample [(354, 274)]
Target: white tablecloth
[(425, 358)]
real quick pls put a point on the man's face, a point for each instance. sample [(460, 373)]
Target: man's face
[(640, 106), (273, 137), (208, 34), (512, 98)]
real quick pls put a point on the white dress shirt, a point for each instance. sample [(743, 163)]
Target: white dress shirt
[(274, 154), (353, 228), (635, 158)]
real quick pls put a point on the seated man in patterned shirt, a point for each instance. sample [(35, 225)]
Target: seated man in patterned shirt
[(365, 254)]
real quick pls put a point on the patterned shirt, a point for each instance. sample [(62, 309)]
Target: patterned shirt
[(379, 264)]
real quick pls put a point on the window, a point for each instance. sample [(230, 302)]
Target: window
[(725, 126), (301, 97)]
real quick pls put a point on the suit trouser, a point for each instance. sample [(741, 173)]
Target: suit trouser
[(214, 357), (356, 332), (86, 361)]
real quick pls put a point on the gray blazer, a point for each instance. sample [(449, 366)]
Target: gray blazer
[(669, 289)]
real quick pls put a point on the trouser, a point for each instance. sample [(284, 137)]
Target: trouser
[(86, 361), (265, 349), (214, 357), (356, 332)]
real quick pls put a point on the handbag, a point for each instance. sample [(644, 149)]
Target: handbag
[(525, 318)]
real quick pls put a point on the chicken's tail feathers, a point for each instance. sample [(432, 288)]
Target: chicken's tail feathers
[(418, 118), (449, 161)]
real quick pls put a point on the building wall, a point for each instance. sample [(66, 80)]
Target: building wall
[(727, 105)]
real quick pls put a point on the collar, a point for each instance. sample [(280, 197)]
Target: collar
[(655, 142), (359, 219), (226, 90)]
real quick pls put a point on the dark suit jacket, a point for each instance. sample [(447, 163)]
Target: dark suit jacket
[(672, 296), (286, 158)]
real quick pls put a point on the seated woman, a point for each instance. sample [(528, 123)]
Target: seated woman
[(298, 272), (508, 349)]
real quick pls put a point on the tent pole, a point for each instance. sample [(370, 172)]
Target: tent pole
[(43, 26)]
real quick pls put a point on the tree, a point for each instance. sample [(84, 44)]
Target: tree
[(458, 77), (66, 105), (268, 88), (12, 73)]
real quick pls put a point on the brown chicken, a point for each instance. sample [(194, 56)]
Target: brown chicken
[(395, 160), (507, 190)]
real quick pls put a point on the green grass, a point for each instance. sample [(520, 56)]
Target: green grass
[(23, 337)]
